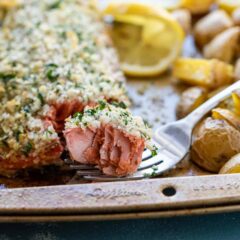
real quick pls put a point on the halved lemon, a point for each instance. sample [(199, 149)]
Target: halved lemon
[(229, 5), (148, 39), (167, 4)]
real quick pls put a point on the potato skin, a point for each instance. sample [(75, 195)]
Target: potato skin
[(214, 143), (210, 26), (190, 99)]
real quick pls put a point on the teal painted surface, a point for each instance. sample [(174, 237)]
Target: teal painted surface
[(219, 227)]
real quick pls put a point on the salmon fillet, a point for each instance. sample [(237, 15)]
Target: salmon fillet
[(57, 60)]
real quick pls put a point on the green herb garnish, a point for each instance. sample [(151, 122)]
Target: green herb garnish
[(51, 72), (102, 104), (27, 109), (27, 149), (40, 97), (154, 151), (119, 104), (78, 116), (16, 134), (91, 112), (55, 5), (5, 77)]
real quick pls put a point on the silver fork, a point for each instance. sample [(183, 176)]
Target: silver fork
[(172, 140)]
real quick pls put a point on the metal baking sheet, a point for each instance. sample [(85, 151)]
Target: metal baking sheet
[(56, 195)]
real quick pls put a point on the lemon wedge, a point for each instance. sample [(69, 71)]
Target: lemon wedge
[(232, 166), (207, 73), (229, 5), (167, 4), (147, 38)]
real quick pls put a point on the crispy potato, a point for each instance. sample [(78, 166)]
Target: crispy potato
[(197, 6), (224, 46), (210, 26), (190, 99), (237, 70), (210, 74), (231, 166), (236, 16), (183, 17), (214, 143), (227, 115)]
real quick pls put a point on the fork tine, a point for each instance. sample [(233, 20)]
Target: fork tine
[(88, 172), (156, 160), (150, 166), (104, 178), (76, 166), (146, 154), (152, 170)]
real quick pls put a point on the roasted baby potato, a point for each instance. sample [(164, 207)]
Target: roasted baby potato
[(237, 70), (210, 74), (190, 100), (197, 6), (210, 26), (224, 46), (214, 143), (231, 166), (236, 16), (183, 17)]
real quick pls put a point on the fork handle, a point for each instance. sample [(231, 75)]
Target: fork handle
[(193, 118)]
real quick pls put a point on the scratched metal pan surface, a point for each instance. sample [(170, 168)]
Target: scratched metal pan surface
[(57, 195)]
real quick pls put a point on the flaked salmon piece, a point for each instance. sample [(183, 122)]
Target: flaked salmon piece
[(122, 155), (60, 111), (107, 136), (115, 152), (79, 141)]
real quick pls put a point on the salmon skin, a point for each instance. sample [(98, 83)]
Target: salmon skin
[(56, 60)]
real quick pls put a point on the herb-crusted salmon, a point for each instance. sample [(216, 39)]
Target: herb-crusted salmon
[(57, 61), (109, 136)]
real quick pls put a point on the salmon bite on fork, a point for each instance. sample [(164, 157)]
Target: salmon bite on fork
[(107, 136)]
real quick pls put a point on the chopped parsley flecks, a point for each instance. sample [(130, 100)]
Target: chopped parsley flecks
[(154, 151), (102, 104), (5, 77), (52, 72), (40, 97), (119, 104), (91, 112), (78, 116), (55, 4), (17, 134), (27, 149), (106, 113)]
